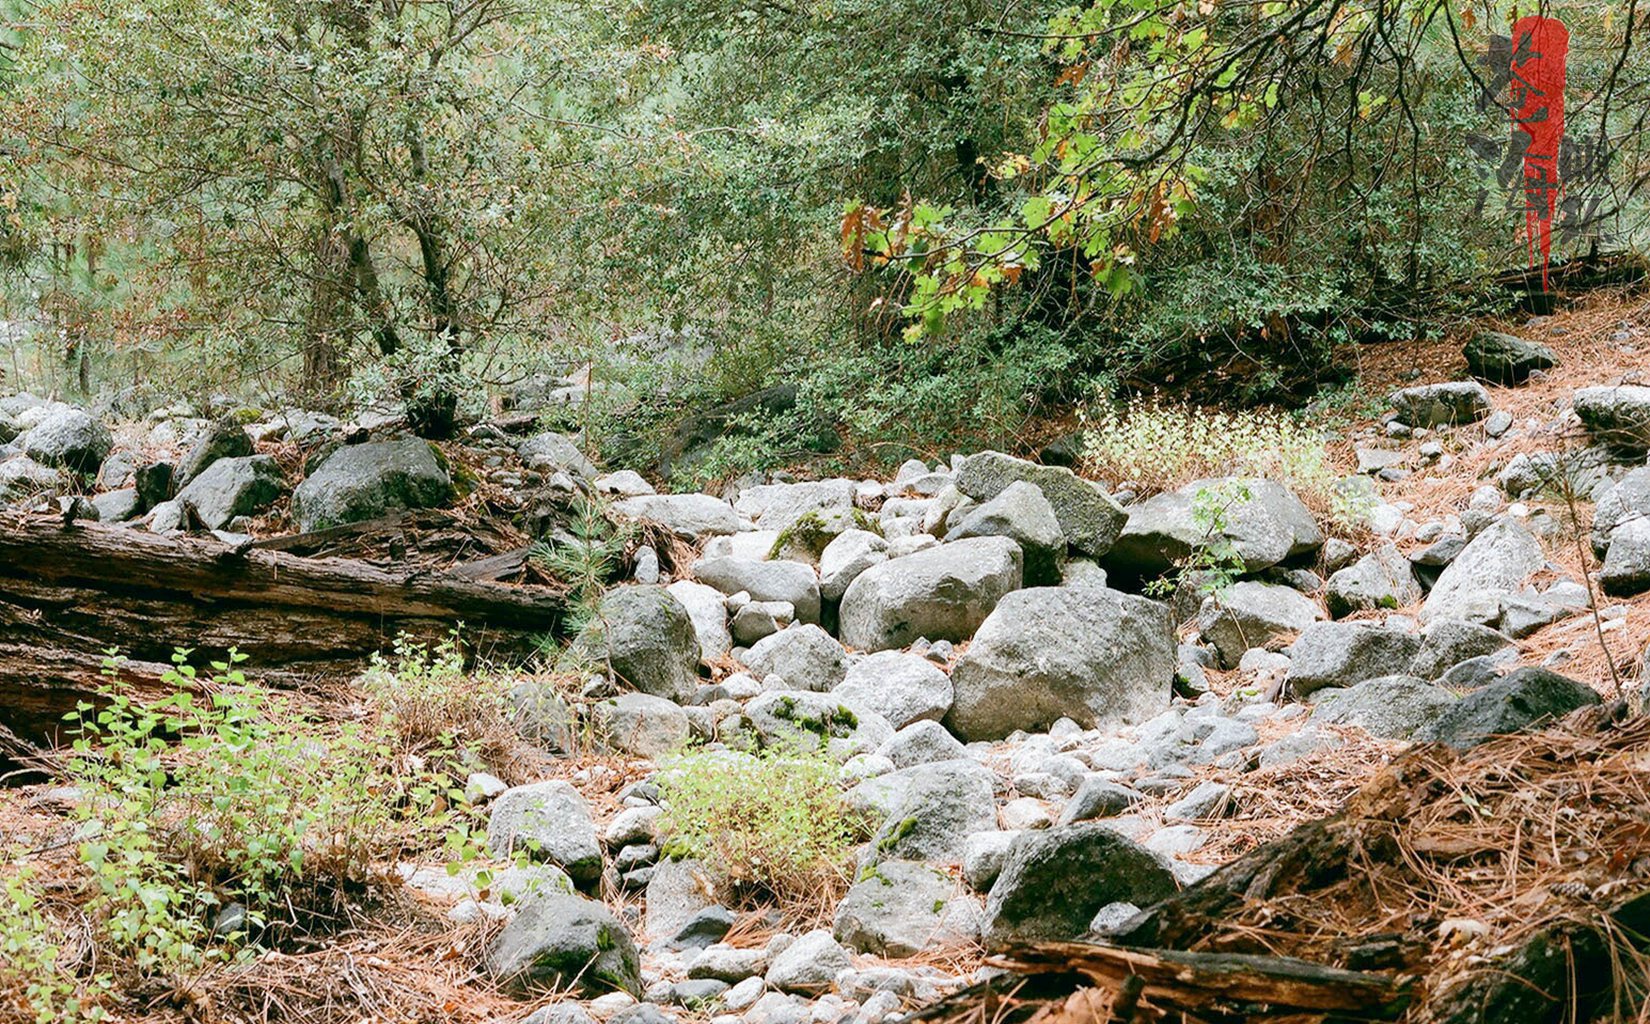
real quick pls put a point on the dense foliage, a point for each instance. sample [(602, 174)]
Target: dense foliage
[(699, 200)]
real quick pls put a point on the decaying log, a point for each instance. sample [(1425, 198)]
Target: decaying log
[(68, 594), (1220, 983)]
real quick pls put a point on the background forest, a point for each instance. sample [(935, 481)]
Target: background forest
[(774, 230)]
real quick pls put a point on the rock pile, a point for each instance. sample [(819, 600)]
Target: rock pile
[(971, 643)]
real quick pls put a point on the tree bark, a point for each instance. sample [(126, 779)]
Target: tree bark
[(68, 594)]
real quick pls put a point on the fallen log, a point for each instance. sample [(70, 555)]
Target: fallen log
[(1219, 984), (70, 593)]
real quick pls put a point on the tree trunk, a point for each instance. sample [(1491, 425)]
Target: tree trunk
[(69, 594)]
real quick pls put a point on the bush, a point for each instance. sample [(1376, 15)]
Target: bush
[(772, 823), (226, 792), (437, 709), (37, 980), (1162, 447)]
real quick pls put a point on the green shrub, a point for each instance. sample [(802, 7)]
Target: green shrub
[(37, 981), (224, 791), (436, 708), (773, 823)]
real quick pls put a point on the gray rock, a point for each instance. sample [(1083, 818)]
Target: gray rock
[(1448, 642), (516, 885), (1506, 359), (726, 963), (707, 608), (848, 554), (691, 994), (22, 477), (810, 721), (1494, 563), (983, 856), (791, 582), (778, 1008), (1438, 405), (1055, 881), (641, 725), (560, 1013), (365, 481), (921, 743), (1207, 800), (633, 825), (1585, 473), (1430, 562), (1224, 736), (1337, 554), (1391, 707), (809, 965), (1381, 579), (231, 487), (645, 637), (550, 452), (1298, 744), (805, 656), (1523, 699), (625, 483), (559, 941), (68, 438), (1022, 514), (758, 619), (928, 811), (1097, 656), (1271, 525), (1618, 417), (1626, 500), (903, 688), (1082, 573), (1476, 672), (1249, 614), (116, 506), (902, 908), (689, 516), (550, 822), (678, 891), (1087, 515), (1373, 460), (782, 506), (1098, 796), (1626, 568), (225, 439), (942, 593), (1499, 422), (1347, 653), (1527, 611)]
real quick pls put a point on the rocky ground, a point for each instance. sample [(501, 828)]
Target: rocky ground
[(1041, 748)]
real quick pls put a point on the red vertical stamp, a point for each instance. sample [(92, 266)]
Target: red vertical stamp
[(1540, 47)]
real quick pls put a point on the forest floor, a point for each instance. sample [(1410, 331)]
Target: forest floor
[(393, 955)]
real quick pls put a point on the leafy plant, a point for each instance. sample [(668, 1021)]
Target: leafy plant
[(435, 707), (774, 822), (37, 982), (1214, 563), (224, 792)]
